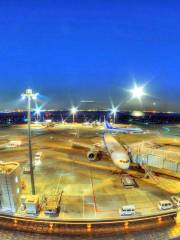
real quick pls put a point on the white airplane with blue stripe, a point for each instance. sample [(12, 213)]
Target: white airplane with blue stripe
[(109, 145), (112, 129)]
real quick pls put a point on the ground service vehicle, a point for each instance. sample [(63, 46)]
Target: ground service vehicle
[(127, 210), (128, 181), (165, 205), (52, 207)]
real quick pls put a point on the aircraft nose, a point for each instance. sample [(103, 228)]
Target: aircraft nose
[(120, 159), (119, 156)]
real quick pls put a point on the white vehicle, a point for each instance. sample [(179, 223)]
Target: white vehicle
[(115, 150), (128, 181), (38, 156), (165, 205), (127, 210), (13, 144), (176, 200), (26, 169)]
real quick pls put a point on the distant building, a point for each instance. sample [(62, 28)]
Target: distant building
[(9, 186)]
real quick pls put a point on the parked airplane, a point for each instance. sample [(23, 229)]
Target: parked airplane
[(111, 146), (112, 129), (95, 123)]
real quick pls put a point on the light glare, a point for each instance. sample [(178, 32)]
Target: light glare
[(73, 110), (23, 96), (34, 96), (138, 92), (114, 110), (37, 111)]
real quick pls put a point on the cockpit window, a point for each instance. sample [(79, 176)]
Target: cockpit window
[(123, 161)]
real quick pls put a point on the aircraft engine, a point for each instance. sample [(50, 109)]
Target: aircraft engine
[(92, 155)]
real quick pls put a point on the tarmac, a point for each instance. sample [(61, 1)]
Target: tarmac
[(90, 190)]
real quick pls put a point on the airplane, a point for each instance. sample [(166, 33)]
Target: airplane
[(86, 123), (112, 129), (112, 147), (95, 123)]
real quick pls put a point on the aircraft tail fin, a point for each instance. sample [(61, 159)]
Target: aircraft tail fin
[(107, 125)]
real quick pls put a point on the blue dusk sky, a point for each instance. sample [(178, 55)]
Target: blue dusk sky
[(91, 50)]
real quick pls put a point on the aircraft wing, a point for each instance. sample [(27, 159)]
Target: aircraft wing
[(97, 146), (82, 145)]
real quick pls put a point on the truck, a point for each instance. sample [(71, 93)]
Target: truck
[(52, 207), (128, 181)]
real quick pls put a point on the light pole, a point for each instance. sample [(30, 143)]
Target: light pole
[(30, 95), (73, 111), (114, 111), (38, 113)]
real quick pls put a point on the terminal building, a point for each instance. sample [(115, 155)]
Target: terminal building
[(9, 186)]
